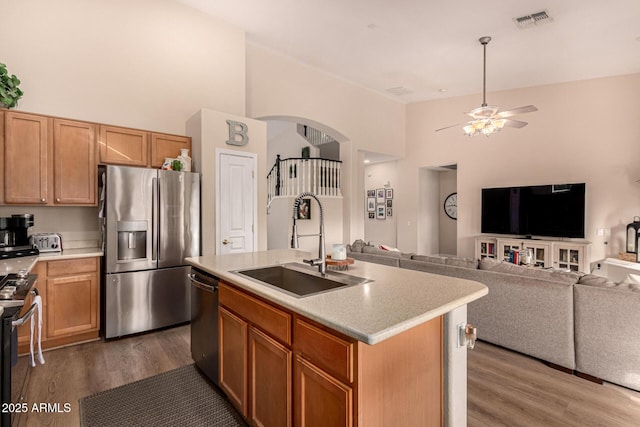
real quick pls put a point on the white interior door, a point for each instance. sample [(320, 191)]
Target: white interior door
[(237, 198)]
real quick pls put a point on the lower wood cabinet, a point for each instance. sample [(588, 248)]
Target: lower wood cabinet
[(280, 369), (321, 400), (71, 305)]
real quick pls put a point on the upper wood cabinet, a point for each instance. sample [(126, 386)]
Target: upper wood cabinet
[(27, 159), (75, 164), (49, 161), (122, 146), (163, 146)]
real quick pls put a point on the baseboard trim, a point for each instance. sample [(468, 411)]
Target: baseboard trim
[(589, 378), (560, 368)]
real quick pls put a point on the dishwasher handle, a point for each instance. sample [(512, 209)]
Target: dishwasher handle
[(202, 285)]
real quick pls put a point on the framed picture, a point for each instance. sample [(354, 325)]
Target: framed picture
[(372, 215), (389, 211), (389, 193), (389, 203), (371, 193), (380, 212), (371, 204), (380, 195), (304, 209)]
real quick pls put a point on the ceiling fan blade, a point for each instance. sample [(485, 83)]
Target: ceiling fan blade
[(514, 111), (514, 123), (449, 127)]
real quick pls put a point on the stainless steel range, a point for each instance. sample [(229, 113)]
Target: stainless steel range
[(14, 289)]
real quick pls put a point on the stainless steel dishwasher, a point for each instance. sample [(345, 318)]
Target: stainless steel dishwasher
[(204, 322)]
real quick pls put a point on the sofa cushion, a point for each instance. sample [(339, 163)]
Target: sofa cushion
[(630, 284), (462, 262), (491, 264), (377, 251), (597, 281), (427, 258)]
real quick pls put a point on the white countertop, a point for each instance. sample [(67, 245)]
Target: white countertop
[(12, 265), (397, 299)]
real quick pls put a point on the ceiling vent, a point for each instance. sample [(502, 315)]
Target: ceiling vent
[(399, 91), (528, 21)]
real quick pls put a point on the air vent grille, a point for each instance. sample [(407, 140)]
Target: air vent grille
[(399, 91), (531, 20)]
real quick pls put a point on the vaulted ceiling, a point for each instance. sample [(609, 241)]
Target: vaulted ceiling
[(414, 50)]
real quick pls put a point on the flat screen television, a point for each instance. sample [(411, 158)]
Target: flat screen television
[(539, 210)]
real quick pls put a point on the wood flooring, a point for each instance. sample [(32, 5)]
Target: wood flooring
[(504, 388)]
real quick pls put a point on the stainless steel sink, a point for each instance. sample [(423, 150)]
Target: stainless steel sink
[(300, 280)]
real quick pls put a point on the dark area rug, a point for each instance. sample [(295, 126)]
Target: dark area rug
[(181, 397)]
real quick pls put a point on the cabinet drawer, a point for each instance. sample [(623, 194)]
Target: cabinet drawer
[(72, 266), (266, 317), (327, 351)]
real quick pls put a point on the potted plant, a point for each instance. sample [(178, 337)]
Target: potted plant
[(10, 93)]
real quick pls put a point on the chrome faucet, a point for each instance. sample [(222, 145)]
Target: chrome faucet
[(321, 260)]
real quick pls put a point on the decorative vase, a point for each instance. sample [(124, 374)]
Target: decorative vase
[(168, 164), (185, 159)]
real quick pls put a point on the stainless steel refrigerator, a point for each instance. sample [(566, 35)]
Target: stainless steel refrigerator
[(151, 223)]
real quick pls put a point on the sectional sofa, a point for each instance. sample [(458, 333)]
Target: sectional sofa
[(574, 321)]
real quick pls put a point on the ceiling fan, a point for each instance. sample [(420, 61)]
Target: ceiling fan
[(486, 119)]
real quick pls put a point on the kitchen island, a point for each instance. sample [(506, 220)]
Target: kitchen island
[(364, 355)]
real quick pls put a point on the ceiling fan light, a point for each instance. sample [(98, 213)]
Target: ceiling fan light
[(479, 124), (469, 130), (498, 123)]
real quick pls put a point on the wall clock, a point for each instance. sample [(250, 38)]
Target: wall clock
[(451, 206)]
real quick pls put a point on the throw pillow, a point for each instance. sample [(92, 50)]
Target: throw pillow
[(357, 245), (389, 248)]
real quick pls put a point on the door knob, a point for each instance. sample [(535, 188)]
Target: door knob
[(225, 242)]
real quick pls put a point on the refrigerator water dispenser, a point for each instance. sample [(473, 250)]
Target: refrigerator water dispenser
[(132, 240)]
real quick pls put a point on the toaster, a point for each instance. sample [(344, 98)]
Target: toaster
[(46, 242)]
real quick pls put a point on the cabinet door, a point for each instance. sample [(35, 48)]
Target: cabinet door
[(485, 248), (233, 366), (26, 162), (75, 164), (72, 304), (121, 146), (506, 246), (570, 257), (270, 381), (320, 399), (163, 146)]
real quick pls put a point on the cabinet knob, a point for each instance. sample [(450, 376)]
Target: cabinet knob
[(42, 200), (58, 200)]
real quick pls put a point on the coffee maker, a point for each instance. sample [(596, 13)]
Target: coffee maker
[(14, 237)]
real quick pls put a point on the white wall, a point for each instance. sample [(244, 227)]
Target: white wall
[(584, 131), (283, 139), (148, 64), (209, 131), (78, 225), (381, 231), (280, 86), (428, 213), (280, 223), (448, 227)]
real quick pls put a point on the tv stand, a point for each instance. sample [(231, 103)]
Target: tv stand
[(547, 253)]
